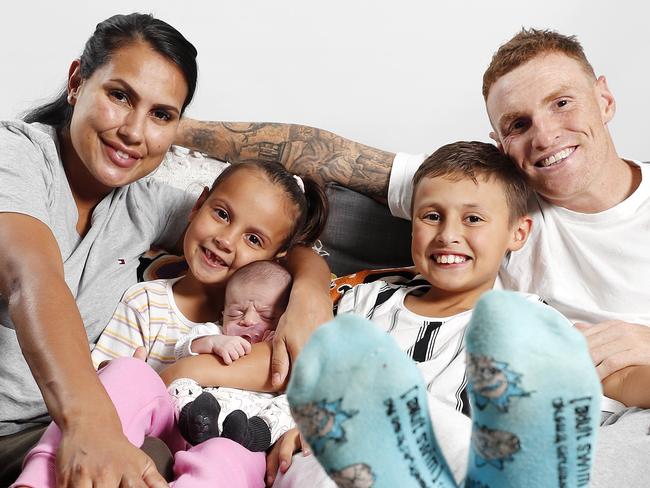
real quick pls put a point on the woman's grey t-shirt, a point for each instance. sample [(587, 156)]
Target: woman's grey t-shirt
[(98, 267)]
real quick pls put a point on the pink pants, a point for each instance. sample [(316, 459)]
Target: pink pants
[(145, 409)]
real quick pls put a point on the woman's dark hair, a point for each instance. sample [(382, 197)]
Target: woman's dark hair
[(109, 36), (312, 204)]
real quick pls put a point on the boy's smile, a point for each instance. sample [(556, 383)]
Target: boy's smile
[(450, 259), (461, 232)]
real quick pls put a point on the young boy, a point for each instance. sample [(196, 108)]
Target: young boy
[(469, 210)]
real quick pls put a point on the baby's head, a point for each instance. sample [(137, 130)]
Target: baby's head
[(256, 296), (469, 208)]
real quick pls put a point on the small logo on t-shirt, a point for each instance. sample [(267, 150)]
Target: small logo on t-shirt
[(121, 261)]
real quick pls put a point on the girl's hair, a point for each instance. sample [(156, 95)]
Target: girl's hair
[(109, 36), (311, 204)]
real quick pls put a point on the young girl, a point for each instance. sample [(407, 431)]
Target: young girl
[(254, 211)]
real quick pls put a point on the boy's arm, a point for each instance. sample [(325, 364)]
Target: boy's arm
[(629, 386), (308, 151)]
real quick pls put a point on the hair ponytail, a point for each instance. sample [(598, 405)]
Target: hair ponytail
[(310, 199), (109, 36), (315, 215)]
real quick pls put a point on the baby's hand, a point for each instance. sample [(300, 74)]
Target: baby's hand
[(229, 348)]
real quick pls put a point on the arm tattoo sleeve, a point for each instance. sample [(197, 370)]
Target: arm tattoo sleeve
[(319, 154)]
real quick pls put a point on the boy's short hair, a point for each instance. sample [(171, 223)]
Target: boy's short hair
[(257, 272), (473, 159), (528, 44)]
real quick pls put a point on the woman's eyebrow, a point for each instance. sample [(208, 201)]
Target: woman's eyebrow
[(134, 94)]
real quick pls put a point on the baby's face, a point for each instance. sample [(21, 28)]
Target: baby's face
[(252, 309)]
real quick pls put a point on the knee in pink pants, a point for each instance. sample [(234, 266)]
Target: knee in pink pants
[(143, 406), (219, 463)]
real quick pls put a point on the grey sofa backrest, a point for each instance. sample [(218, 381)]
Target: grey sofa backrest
[(362, 234)]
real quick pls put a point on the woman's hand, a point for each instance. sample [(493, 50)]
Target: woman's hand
[(96, 453), (281, 453), (51, 334)]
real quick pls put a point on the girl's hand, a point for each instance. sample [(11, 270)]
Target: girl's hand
[(228, 348), (282, 452), (268, 335), (139, 353), (307, 310)]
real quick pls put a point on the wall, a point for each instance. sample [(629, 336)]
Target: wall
[(401, 75)]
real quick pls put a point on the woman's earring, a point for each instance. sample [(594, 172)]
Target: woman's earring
[(70, 98)]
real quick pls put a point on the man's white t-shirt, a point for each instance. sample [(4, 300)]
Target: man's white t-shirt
[(590, 267)]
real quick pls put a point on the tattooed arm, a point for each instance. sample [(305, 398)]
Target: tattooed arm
[(308, 151)]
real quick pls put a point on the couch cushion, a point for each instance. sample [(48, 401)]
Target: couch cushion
[(362, 234)]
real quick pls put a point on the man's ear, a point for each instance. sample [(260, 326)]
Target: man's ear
[(520, 232), (605, 99), (495, 138), (74, 81), (200, 201)]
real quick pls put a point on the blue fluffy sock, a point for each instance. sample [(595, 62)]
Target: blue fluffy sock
[(534, 393), (361, 405)]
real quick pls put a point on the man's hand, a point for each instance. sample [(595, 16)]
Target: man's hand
[(615, 345), (305, 312), (614, 385), (281, 453), (98, 456), (228, 348)]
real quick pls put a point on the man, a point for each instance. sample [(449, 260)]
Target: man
[(587, 254)]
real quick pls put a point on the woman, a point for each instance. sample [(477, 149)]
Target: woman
[(74, 217)]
